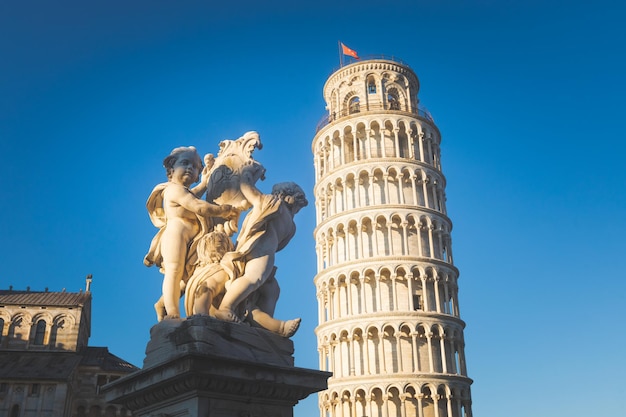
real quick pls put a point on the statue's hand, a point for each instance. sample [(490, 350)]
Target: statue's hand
[(229, 212), (209, 162)]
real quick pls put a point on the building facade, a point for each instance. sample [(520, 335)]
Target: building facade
[(46, 367), (389, 323)]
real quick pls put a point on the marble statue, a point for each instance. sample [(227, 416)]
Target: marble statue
[(182, 217), (193, 248), (206, 287), (207, 284)]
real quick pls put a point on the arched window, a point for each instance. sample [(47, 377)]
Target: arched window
[(1, 329), (392, 99), (40, 332), (354, 105), (371, 86), (15, 411)]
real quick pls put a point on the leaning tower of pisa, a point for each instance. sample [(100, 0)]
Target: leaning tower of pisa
[(389, 324)]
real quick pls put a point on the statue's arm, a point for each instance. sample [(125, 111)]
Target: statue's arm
[(201, 188), (250, 192), (189, 201), (250, 174)]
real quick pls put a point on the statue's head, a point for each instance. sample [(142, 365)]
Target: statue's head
[(188, 151), (290, 193), (213, 246)]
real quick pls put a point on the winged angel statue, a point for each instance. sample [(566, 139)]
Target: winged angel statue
[(194, 250)]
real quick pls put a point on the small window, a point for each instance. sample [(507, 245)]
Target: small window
[(353, 107), (3, 387), (417, 302), (394, 104), (40, 332), (371, 87), (34, 389)]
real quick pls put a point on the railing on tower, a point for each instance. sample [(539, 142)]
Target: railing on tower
[(328, 118), (348, 60)]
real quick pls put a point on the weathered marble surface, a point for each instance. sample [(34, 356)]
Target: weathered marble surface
[(205, 335), (204, 366)]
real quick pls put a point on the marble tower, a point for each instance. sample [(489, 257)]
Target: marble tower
[(389, 329)]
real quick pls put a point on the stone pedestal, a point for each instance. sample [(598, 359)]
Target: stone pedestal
[(205, 367)]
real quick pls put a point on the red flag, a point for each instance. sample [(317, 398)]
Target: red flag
[(349, 52)]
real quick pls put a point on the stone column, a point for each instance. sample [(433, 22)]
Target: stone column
[(372, 193), (403, 398), (409, 280), (387, 193), (362, 281), (425, 293), (411, 143), (350, 341), (379, 302), (429, 338), (367, 352), (414, 186), (418, 229), (446, 297), (383, 140), (420, 410), (416, 364), (316, 162), (430, 240), (320, 307), (383, 358), (437, 298), (425, 191), (400, 356), (444, 355), (421, 146), (394, 291), (436, 404), (431, 156), (385, 405), (396, 142)]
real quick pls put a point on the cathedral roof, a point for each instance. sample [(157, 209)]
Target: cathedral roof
[(39, 298), (105, 360), (58, 365), (37, 365)]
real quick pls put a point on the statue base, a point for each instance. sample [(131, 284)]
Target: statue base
[(202, 366)]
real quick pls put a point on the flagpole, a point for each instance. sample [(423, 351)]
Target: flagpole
[(340, 55)]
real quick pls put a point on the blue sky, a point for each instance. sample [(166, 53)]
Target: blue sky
[(529, 97)]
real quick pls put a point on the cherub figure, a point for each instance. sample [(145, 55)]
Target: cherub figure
[(206, 287), (267, 228), (182, 217)]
